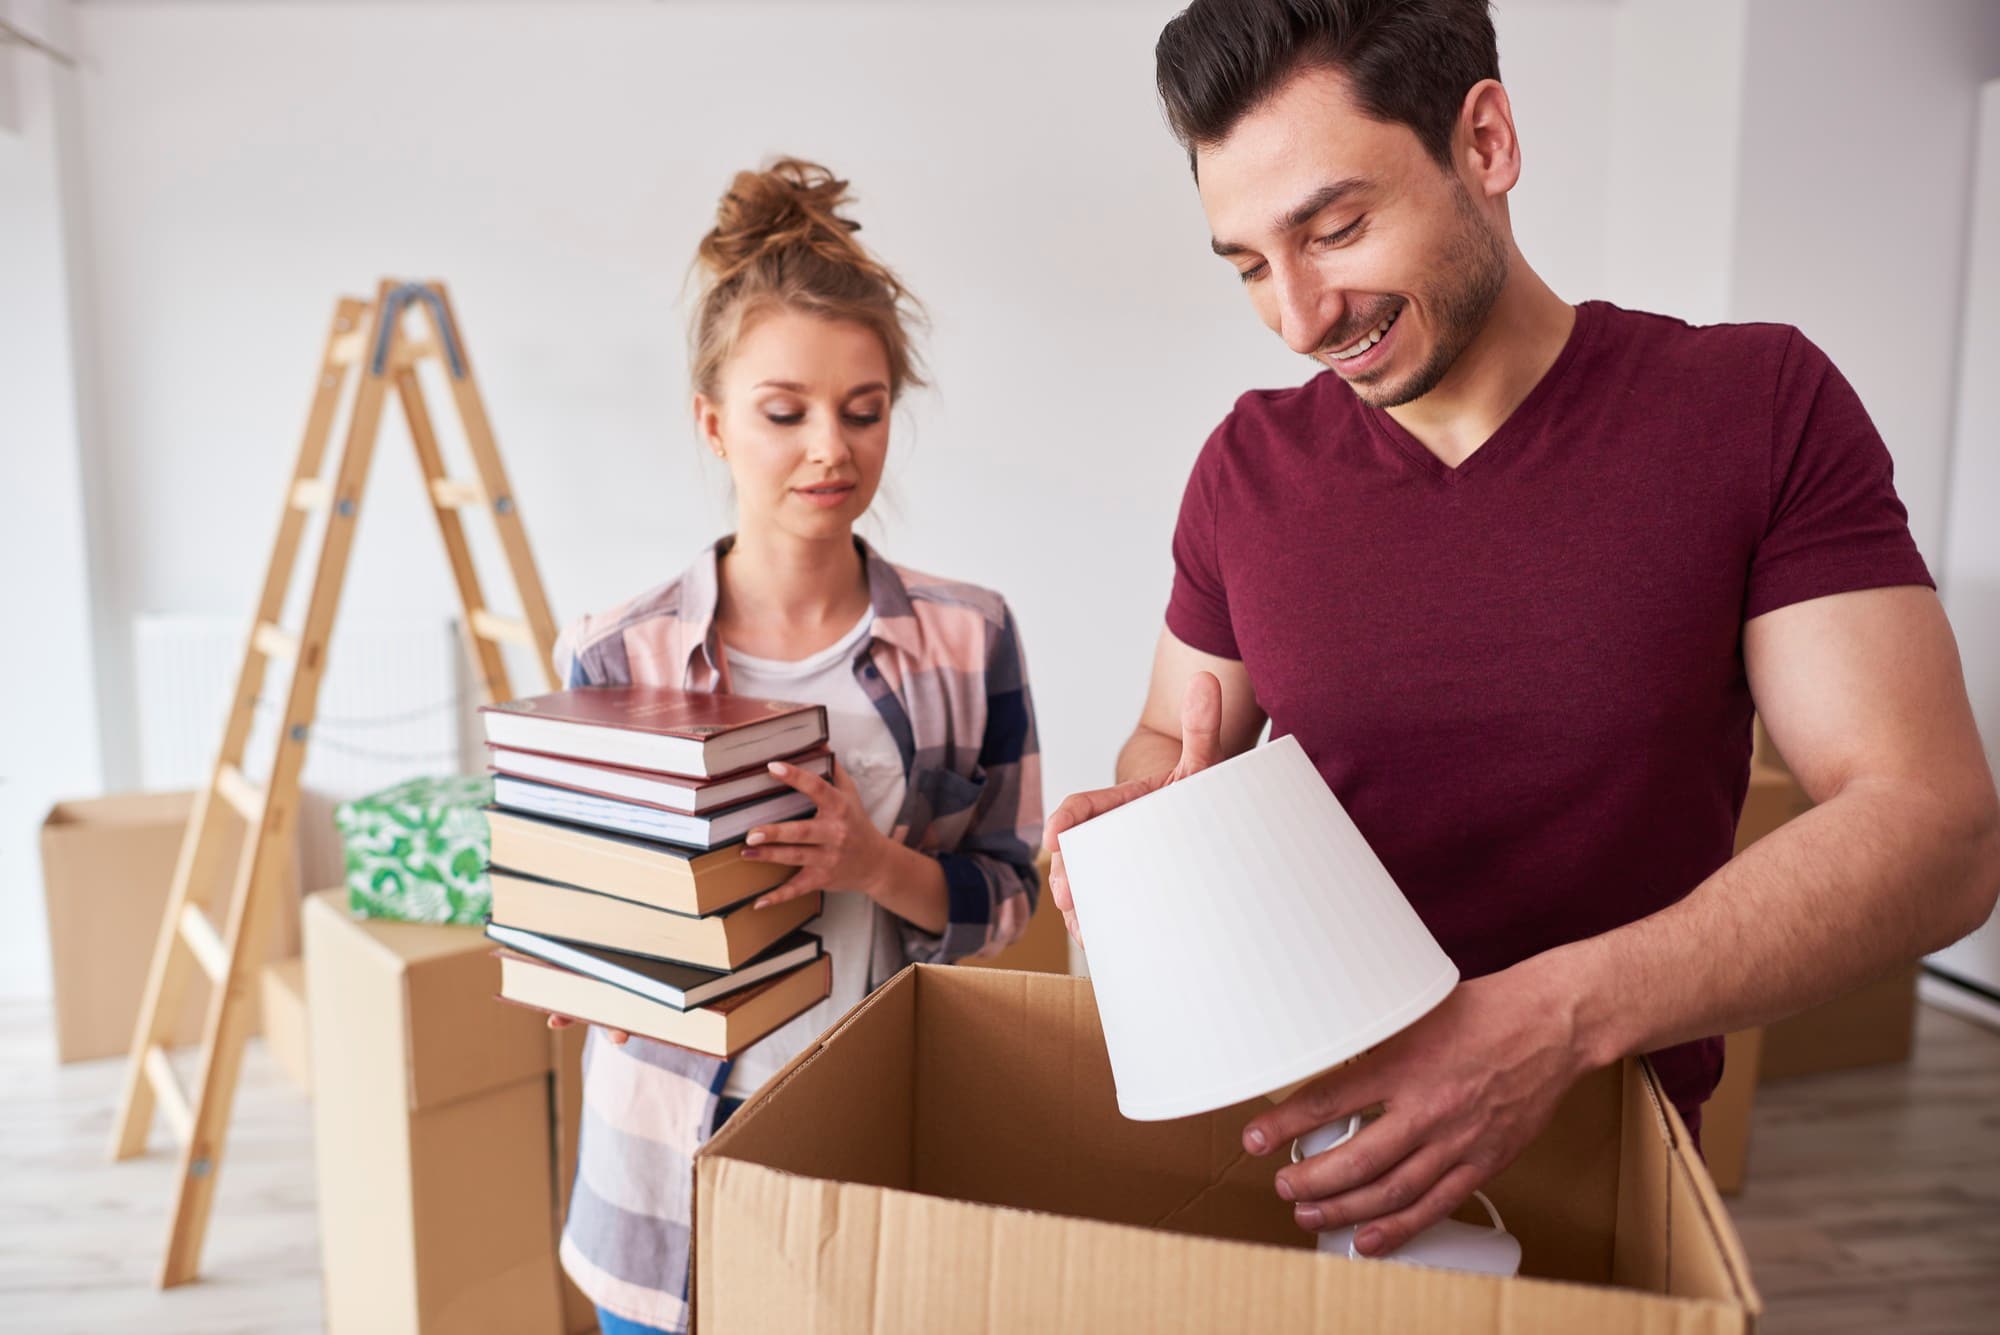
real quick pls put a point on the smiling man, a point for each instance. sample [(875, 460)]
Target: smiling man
[(1515, 573)]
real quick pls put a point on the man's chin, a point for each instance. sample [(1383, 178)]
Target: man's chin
[(1378, 389)]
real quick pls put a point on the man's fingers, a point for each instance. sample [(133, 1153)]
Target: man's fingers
[(1201, 724), (1446, 1194), (618, 1036), (1080, 807), (1403, 1185), (1376, 1151), (1337, 1094), (560, 1021), (1065, 904)]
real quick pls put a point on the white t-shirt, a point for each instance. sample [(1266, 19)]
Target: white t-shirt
[(859, 935)]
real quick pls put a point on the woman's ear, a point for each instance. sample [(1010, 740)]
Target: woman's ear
[(708, 422)]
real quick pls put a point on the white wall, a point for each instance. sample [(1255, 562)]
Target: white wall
[(1675, 125), (1858, 121), (556, 163), (241, 164), (48, 723), (1970, 579)]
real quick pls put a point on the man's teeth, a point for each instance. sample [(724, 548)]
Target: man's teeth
[(1366, 341)]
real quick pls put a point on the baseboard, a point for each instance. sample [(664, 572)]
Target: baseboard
[(1958, 997)]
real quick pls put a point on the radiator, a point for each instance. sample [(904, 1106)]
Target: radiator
[(394, 704)]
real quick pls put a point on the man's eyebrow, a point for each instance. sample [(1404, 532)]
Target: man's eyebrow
[(1300, 213)]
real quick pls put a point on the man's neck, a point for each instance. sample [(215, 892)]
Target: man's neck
[(1520, 341)]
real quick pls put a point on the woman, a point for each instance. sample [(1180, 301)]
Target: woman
[(925, 838)]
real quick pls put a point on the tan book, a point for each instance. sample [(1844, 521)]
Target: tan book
[(645, 871), (722, 1028), (718, 941)]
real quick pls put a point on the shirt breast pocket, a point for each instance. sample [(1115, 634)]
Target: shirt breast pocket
[(938, 807)]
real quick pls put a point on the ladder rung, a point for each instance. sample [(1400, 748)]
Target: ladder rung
[(203, 943), (413, 350), (167, 1094), (310, 493), (512, 630), (450, 493), (347, 348), (240, 793), (275, 641)]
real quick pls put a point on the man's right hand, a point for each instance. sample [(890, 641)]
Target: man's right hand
[(1201, 746)]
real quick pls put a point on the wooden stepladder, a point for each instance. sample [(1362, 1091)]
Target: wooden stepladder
[(372, 341)]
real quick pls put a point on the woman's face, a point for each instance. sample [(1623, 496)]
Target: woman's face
[(802, 419)]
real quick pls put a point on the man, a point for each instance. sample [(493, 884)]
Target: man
[(1514, 572)]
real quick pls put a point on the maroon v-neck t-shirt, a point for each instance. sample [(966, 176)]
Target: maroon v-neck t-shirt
[(1524, 676)]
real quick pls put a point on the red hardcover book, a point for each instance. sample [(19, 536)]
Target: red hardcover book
[(692, 734), (669, 792)]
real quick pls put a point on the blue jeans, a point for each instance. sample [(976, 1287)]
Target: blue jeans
[(610, 1323)]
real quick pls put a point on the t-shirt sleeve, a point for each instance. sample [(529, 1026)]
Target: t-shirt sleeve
[(1198, 610), (1835, 522)]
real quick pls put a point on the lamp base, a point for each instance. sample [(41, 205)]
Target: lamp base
[(1446, 1245)]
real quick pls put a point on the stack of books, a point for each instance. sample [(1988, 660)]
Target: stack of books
[(620, 892)]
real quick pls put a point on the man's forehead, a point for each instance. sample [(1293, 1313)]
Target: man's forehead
[(1307, 136)]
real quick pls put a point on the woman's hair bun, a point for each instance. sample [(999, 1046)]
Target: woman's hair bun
[(790, 204)]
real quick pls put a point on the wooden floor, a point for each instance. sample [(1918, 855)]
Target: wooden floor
[(1873, 1198), (81, 1238), (1873, 1205)]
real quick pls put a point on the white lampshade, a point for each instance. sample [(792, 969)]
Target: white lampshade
[(1242, 936)]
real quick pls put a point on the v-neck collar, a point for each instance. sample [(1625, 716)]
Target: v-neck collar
[(1508, 435)]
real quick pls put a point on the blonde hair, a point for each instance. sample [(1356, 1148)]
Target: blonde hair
[(779, 243)]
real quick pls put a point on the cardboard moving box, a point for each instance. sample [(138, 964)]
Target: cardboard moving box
[(950, 1158), (1869, 1026), (432, 1132), (1044, 946), (1725, 1118), (285, 1023), (107, 867)]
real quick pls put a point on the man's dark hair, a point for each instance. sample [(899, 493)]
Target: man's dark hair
[(1407, 62)]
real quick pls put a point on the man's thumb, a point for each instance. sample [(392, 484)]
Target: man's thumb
[(1201, 723)]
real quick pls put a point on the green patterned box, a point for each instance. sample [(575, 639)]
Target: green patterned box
[(417, 852)]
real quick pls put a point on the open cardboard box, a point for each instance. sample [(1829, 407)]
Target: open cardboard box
[(950, 1158)]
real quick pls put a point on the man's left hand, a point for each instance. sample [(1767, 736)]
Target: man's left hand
[(1463, 1091)]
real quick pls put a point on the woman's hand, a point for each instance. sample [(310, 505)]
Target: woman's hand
[(617, 1036), (838, 849)]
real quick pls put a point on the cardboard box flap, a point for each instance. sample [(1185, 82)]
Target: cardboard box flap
[(795, 1252), (808, 1126), (122, 809), (962, 1124), (1707, 1256)]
